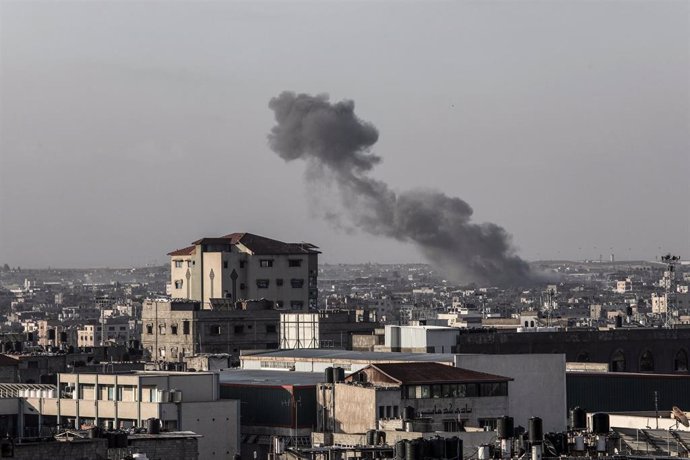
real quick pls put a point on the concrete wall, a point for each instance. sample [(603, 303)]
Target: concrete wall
[(539, 387), (219, 423)]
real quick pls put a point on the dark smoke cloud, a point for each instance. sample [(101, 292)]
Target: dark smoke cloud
[(336, 144)]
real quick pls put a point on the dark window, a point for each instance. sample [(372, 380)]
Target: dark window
[(279, 304), (266, 263), (297, 283), (185, 327), (294, 262), (178, 264), (493, 389), (225, 264), (618, 362), (279, 282), (680, 362), (488, 424), (214, 330), (239, 329), (33, 364), (149, 328), (242, 286), (271, 328), (647, 362), (382, 411), (296, 304), (450, 425), (242, 262), (173, 329), (262, 284)]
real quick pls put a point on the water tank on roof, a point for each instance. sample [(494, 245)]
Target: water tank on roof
[(504, 427), (329, 375), (600, 423), (153, 426), (536, 432), (338, 374), (578, 419)]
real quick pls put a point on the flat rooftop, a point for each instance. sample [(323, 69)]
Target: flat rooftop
[(270, 377), (324, 354)]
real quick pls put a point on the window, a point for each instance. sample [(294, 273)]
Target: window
[(173, 352), (178, 264), (214, 329), (279, 282), (389, 411), (161, 352), (189, 263), (173, 329), (450, 425), (149, 328), (424, 391), (680, 362), (262, 284), (225, 264), (279, 304), (395, 412), (488, 424), (382, 411), (242, 262), (647, 362), (296, 304), (266, 263), (239, 329), (185, 327), (271, 329), (161, 329), (178, 284), (493, 389), (297, 283), (111, 328), (618, 361), (294, 262), (123, 328)]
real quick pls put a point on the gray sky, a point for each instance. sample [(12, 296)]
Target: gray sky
[(130, 129)]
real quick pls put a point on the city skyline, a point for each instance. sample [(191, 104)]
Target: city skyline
[(130, 129)]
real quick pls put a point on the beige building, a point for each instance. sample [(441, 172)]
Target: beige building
[(117, 330), (422, 397), (181, 401), (173, 330), (245, 266)]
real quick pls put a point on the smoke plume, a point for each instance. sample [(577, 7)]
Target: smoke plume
[(336, 145)]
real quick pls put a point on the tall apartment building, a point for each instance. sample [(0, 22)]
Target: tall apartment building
[(242, 266)]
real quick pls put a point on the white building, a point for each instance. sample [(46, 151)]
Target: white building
[(181, 401), (421, 339)]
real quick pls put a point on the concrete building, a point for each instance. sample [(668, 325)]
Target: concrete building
[(538, 388), (182, 401), (412, 396), (325, 329), (317, 360), (246, 266), (173, 330), (421, 339), (110, 330)]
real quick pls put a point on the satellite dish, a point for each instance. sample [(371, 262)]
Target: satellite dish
[(680, 417)]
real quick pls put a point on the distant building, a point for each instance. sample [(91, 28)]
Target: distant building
[(624, 286), (242, 266), (111, 330), (421, 339), (325, 329)]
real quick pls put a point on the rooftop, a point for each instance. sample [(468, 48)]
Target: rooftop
[(419, 373), (269, 377), (327, 354), (256, 244)]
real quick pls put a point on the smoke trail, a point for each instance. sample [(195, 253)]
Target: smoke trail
[(336, 145)]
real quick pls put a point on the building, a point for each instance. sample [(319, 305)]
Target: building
[(246, 266), (181, 401), (117, 330), (421, 339), (538, 388), (624, 286), (318, 360), (174, 330), (412, 397), (275, 405), (325, 329)]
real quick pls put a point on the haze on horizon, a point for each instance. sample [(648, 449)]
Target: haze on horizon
[(129, 129)]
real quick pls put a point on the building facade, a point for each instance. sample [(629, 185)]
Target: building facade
[(246, 266)]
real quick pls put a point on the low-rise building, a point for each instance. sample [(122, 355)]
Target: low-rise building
[(420, 397), (181, 401)]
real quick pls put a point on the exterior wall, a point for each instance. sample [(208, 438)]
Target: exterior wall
[(355, 408), (588, 346), (177, 448), (421, 339), (93, 448), (223, 259), (218, 421), (538, 388)]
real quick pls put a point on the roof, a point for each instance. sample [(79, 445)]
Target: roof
[(189, 250), (418, 373), (8, 361), (262, 245), (329, 354), (259, 245)]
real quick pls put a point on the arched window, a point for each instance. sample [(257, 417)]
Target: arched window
[(646, 361), (618, 361), (680, 362)]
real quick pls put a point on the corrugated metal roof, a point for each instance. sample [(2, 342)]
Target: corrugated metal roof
[(419, 373)]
